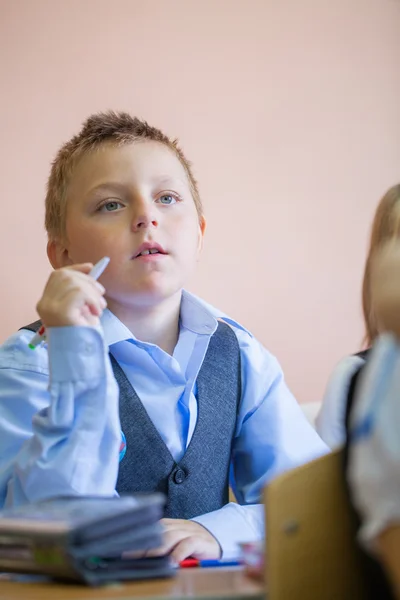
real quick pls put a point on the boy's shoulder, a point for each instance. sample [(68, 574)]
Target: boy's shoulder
[(256, 358), (259, 365)]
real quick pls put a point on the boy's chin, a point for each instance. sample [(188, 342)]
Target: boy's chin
[(153, 295)]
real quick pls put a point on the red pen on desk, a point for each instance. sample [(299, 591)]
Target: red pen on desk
[(189, 563)]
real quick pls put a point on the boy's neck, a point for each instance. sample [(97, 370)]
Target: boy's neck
[(158, 324)]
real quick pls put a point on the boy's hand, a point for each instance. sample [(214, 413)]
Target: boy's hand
[(187, 538), (385, 288), (71, 297)]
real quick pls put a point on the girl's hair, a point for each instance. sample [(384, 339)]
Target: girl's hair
[(385, 226)]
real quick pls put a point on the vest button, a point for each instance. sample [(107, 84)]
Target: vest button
[(179, 476)]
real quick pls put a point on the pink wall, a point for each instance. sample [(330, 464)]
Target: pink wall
[(289, 110)]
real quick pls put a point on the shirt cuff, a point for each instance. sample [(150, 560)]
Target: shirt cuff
[(234, 524), (76, 354)]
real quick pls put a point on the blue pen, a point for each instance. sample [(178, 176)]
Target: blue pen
[(219, 563)]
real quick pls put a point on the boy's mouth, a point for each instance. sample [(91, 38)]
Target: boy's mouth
[(149, 248)]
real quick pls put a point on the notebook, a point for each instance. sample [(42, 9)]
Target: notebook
[(84, 538)]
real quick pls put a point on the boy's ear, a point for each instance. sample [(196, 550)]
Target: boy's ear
[(202, 229), (57, 254)]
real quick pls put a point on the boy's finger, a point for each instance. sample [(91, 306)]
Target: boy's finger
[(82, 267), (171, 539), (100, 287), (86, 269), (190, 546), (173, 523)]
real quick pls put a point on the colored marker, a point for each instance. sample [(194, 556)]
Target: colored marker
[(95, 273), (204, 564)]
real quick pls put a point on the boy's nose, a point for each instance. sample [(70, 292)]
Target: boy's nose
[(144, 218)]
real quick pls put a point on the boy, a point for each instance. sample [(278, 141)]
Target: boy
[(201, 404)]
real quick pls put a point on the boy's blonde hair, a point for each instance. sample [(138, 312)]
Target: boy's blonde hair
[(385, 227), (115, 127)]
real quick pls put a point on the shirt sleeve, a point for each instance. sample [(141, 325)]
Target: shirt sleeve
[(330, 422), (374, 453), (59, 422), (272, 436)]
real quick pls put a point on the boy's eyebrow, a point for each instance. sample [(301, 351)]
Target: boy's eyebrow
[(164, 179), (107, 187), (115, 186)]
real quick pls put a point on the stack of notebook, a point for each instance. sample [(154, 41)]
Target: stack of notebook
[(85, 539)]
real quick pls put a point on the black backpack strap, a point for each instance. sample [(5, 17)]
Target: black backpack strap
[(363, 354), (350, 399), (351, 395), (35, 326)]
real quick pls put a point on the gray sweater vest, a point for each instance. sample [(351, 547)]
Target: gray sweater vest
[(199, 482)]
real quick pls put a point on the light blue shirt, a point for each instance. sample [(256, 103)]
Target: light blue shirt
[(59, 422)]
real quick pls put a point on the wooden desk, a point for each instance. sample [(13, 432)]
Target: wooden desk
[(196, 584)]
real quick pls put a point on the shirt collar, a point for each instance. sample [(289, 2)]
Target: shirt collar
[(113, 329), (196, 316), (216, 313)]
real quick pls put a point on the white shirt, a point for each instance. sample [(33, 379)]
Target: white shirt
[(374, 458), (330, 421)]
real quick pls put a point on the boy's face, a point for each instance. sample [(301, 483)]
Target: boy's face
[(125, 199)]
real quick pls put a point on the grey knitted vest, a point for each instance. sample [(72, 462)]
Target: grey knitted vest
[(199, 482)]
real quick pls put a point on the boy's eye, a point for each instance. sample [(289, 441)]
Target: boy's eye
[(167, 199), (110, 206)]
